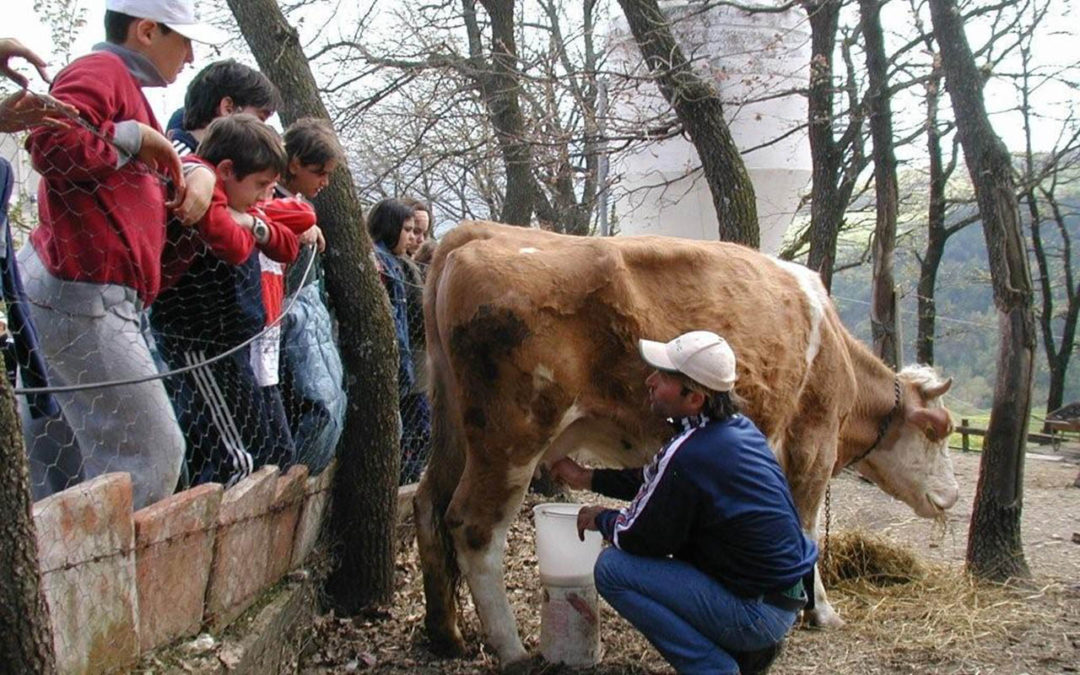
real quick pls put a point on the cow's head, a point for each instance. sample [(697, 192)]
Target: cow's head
[(912, 462)]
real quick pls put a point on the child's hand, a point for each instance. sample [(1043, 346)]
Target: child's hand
[(244, 220), (200, 191), (158, 153), (313, 235)]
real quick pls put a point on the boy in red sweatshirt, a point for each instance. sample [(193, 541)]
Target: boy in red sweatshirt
[(213, 307), (92, 265)]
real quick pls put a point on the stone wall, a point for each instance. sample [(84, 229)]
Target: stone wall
[(119, 584)]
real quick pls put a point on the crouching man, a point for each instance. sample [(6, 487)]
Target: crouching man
[(707, 561)]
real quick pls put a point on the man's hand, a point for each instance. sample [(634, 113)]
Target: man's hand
[(10, 47), (25, 109), (200, 190), (572, 474), (158, 153), (313, 235), (586, 520)]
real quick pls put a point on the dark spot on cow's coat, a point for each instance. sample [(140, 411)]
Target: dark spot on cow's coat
[(474, 417), (485, 340), (627, 445), (546, 409)]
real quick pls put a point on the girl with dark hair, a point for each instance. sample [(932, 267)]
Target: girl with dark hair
[(390, 223)]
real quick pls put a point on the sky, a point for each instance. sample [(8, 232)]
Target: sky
[(23, 22), (32, 32)]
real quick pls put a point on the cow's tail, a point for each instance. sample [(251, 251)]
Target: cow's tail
[(438, 558)]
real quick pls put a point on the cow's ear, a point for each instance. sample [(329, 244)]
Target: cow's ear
[(932, 391), (934, 422)]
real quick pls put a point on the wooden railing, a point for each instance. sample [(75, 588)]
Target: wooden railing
[(1058, 433)]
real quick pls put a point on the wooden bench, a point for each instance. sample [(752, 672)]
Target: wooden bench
[(1058, 430)]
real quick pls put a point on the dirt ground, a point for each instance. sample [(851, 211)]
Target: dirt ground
[(941, 624)]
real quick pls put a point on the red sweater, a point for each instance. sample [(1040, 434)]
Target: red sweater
[(298, 216), (219, 233), (98, 224)]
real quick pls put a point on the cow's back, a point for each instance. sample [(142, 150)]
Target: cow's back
[(517, 308)]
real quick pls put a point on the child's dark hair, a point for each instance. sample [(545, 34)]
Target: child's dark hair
[(229, 78), (117, 23), (251, 145), (312, 140), (385, 220), (420, 205)]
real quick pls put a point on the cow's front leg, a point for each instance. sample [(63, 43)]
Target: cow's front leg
[(822, 615), (479, 520)]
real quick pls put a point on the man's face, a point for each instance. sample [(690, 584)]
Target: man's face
[(168, 52), (666, 397), (309, 179), (420, 231), (243, 193)]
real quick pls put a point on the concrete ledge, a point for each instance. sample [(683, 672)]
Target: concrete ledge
[(265, 639)]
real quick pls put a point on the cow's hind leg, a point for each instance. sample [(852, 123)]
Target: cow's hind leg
[(437, 559), (478, 518)]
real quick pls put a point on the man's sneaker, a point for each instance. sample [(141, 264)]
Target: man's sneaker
[(758, 661)]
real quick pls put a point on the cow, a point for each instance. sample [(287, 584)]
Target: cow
[(532, 353)]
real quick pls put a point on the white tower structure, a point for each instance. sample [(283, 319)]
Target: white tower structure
[(756, 62)]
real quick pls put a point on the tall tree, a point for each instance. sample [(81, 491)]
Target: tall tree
[(1043, 174), (499, 82), (832, 180), (26, 644), (365, 488), (995, 549), (698, 107), (883, 296)]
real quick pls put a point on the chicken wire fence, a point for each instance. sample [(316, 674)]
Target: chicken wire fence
[(139, 347)]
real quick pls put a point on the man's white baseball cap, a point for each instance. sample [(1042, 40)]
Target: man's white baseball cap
[(701, 355), (178, 15)]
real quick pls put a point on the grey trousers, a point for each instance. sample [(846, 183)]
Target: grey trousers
[(91, 333)]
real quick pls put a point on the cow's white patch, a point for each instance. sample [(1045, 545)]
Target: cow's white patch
[(528, 249), (542, 372), (818, 299)]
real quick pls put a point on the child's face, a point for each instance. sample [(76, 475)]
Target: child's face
[(405, 238), (243, 193), (309, 179)]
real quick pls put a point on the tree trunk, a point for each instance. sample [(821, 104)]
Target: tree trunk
[(365, 489), (499, 86), (26, 644), (995, 549), (698, 107), (883, 295), (935, 222), (826, 207)]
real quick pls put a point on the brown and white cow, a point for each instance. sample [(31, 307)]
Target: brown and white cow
[(531, 345)]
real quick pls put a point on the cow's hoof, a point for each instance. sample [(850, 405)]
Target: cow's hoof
[(446, 643), (526, 665), (824, 618)]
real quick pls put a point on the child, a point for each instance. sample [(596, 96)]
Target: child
[(213, 305), (312, 374), (92, 264), (391, 225)]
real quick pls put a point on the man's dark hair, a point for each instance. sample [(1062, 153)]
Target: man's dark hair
[(312, 141), (251, 145), (718, 405), (229, 78), (117, 24), (385, 220)]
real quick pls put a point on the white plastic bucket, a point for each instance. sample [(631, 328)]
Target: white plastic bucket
[(564, 559), (569, 614)]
